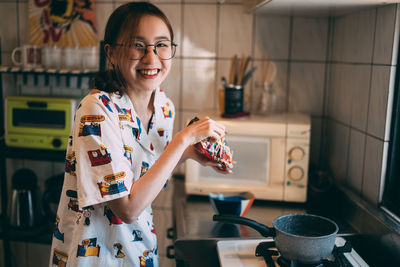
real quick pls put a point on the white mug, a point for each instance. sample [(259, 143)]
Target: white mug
[(30, 56), (90, 57), (72, 57), (52, 56)]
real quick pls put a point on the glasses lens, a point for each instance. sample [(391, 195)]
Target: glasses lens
[(137, 50), (164, 49)]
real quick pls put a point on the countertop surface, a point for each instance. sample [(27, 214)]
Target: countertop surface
[(193, 217), (195, 230)]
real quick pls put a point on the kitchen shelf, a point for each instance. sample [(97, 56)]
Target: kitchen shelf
[(34, 154), (40, 235), (46, 71)]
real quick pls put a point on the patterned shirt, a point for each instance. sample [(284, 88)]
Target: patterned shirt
[(108, 151)]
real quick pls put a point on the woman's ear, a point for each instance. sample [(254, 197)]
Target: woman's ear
[(109, 53)]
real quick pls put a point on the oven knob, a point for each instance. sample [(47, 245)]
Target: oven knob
[(296, 154), (56, 142), (295, 173)]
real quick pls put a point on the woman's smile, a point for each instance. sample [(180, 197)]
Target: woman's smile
[(149, 73)]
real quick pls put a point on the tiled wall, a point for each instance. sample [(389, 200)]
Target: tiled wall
[(363, 55), (349, 103)]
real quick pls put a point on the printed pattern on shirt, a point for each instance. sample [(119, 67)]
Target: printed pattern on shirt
[(108, 150)]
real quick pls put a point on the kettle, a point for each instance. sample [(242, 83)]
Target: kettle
[(25, 210)]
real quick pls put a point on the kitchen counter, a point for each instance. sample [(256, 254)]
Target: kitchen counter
[(196, 233)]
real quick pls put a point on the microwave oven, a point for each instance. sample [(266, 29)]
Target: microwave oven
[(39, 122), (271, 154)]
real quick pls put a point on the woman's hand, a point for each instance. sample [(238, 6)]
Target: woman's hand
[(201, 130), (192, 153)]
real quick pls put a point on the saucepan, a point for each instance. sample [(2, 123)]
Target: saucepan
[(304, 238)]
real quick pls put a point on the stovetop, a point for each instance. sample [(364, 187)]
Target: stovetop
[(242, 253)]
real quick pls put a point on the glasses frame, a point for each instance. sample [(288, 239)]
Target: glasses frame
[(173, 45)]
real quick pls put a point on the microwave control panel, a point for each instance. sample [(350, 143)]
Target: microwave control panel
[(296, 179)]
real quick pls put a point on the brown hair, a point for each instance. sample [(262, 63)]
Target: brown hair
[(122, 26)]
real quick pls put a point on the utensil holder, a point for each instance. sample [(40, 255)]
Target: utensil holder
[(233, 99)]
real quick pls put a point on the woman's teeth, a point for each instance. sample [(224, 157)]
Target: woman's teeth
[(149, 72)]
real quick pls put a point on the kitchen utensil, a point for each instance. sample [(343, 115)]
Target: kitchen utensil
[(304, 238), (25, 210), (242, 69), (248, 75), (231, 203), (232, 72)]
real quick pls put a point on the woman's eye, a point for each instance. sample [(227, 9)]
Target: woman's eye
[(162, 44), (139, 45)]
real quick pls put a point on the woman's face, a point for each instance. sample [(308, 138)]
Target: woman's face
[(148, 72)]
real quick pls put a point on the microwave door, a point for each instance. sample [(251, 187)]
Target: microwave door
[(38, 118), (252, 156)]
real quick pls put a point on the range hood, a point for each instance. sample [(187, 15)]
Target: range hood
[(312, 7)]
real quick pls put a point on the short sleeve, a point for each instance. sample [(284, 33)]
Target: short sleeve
[(102, 171)]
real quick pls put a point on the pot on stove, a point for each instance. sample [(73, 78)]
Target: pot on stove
[(304, 238)]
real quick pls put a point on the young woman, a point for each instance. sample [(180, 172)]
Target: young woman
[(121, 151)]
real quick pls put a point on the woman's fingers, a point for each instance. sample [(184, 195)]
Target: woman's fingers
[(205, 128)]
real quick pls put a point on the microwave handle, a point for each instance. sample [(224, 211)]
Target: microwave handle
[(36, 104)]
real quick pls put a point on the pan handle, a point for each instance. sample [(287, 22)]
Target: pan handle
[(262, 229)]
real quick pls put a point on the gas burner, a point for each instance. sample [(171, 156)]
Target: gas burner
[(240, 252), (268, 251)]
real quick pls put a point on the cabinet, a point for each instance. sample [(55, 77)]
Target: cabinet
[(317, 8)]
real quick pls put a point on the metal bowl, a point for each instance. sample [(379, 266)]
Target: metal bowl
[(231, 203)]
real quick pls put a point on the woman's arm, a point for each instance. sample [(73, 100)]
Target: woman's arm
[(145, 190)]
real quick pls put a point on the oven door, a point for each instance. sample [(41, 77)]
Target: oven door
[(250, 173), (38, 116)]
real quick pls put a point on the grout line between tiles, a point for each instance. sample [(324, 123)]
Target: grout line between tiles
[(355, 129)]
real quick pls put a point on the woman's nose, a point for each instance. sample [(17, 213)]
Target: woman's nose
[(150, 55)]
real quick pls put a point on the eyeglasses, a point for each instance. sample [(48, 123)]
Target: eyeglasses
[(164, 49)]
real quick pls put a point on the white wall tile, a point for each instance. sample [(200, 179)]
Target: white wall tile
[(199, 39), (9, 34), (23, 21), (172, 84), (187, 116), (174, 14), (384, 35), (309, 38), (338, 139), (339, 102), (103, 12), (235, 31), (356, 160), (272, 37), (164, 1), (307, 88), (378, 101), (358, 81), (6, 59), (353, 37), (198, 87), (372, 170)]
